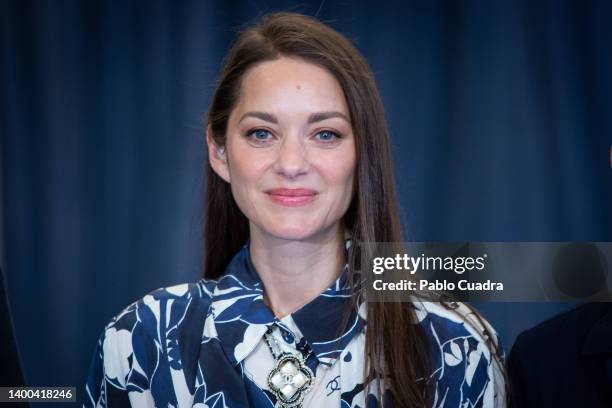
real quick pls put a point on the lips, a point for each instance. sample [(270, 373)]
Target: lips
[(292, 192), (292, 197)]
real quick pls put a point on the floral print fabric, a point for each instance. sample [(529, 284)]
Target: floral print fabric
[(201, 344)]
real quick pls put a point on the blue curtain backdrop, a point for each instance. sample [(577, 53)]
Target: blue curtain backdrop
[(500, 112)]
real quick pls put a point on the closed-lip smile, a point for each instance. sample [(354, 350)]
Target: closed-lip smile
[(292, 197)]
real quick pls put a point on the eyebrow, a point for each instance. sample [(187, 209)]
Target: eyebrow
[(314, 117)]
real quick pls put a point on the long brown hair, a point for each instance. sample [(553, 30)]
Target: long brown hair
[(395, 345)]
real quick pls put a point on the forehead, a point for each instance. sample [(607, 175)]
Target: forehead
[(290, 83)]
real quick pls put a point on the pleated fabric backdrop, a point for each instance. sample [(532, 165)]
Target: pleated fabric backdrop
[(500, 112)]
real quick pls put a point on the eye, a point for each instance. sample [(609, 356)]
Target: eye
[(259, 136), (327, 136)]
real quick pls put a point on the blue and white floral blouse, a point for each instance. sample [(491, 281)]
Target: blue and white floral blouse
[(202, 345)]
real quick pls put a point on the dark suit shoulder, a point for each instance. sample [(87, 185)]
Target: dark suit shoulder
[(566, 329), (547, 366)]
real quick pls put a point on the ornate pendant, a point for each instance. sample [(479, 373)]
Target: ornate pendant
[(290, 380)]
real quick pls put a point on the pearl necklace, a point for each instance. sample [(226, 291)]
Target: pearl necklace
[(290, 378)]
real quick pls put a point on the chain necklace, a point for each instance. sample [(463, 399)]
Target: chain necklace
[(290, 378)]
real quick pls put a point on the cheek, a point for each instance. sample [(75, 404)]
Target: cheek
[(246, 164), (247, 169), (339, 172)]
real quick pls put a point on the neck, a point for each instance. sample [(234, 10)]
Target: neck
[(295, 272)]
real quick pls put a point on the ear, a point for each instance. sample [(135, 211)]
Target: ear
[(217, 156)]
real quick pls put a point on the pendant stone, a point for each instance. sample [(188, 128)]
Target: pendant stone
[(290, 380)]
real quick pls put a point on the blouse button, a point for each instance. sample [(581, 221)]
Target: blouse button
[(288, 337)]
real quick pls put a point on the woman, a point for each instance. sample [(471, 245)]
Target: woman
[(300, 168)]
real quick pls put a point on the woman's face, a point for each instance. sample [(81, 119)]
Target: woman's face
[(290, 151)]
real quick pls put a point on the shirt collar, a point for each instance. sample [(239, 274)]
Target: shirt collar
[(241, 317)]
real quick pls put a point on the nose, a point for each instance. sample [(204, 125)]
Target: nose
[(292, 158)]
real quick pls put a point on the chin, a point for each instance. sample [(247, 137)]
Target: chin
[(293, 230), (297, 233)]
